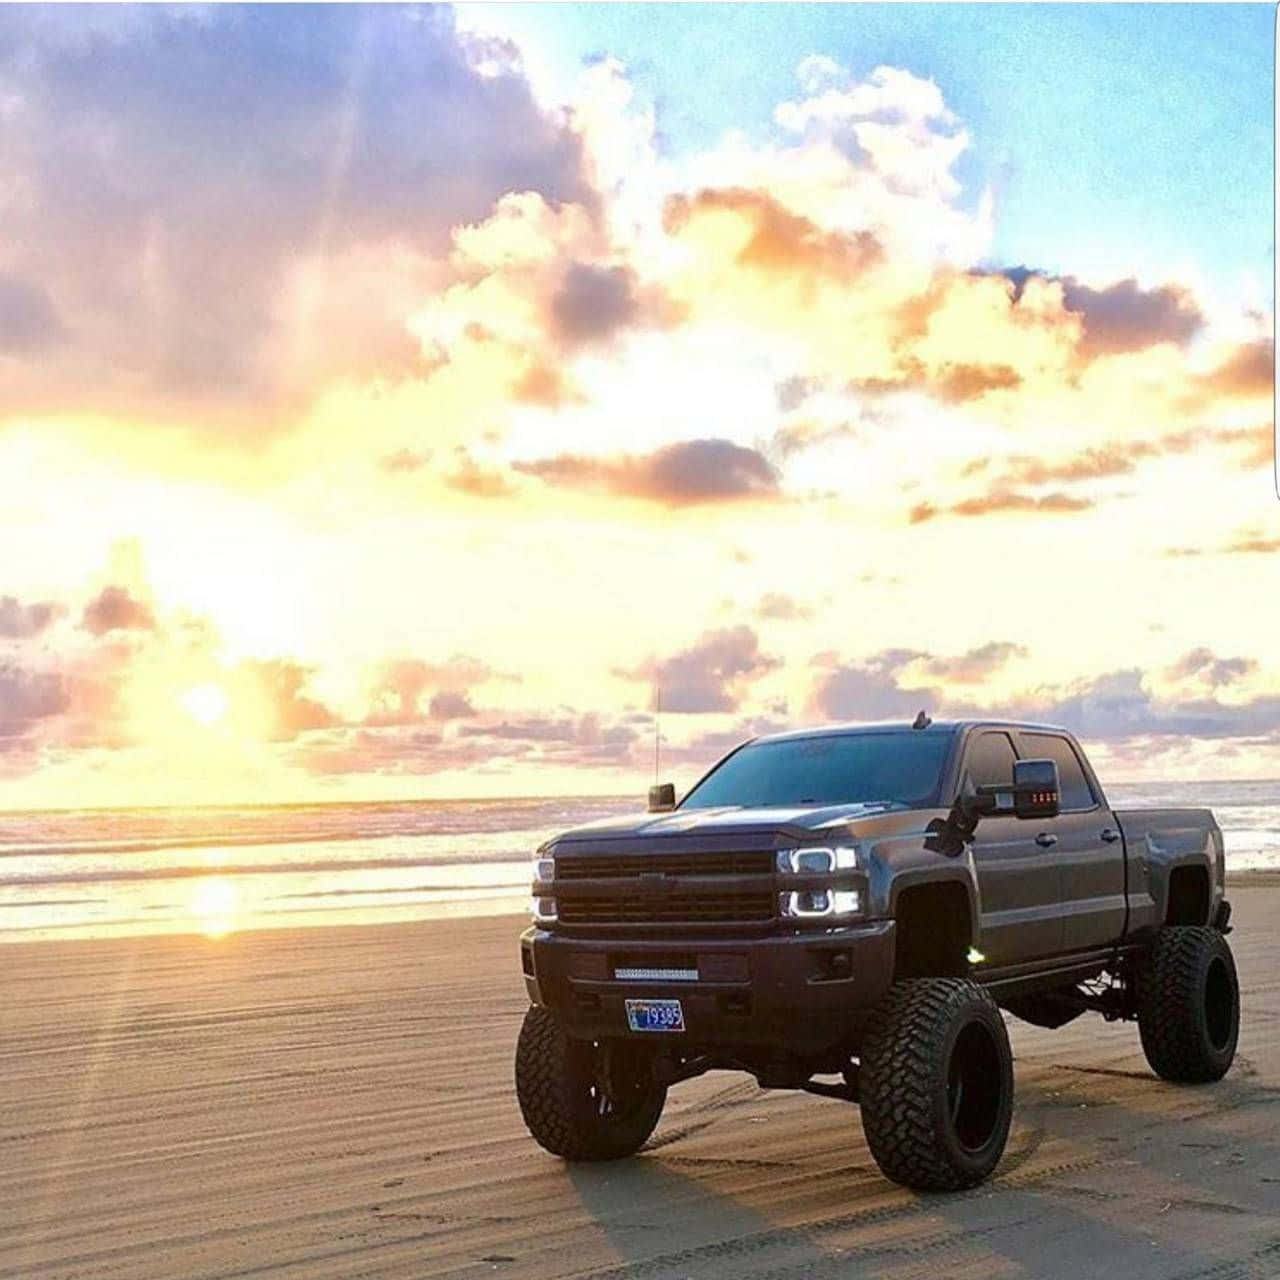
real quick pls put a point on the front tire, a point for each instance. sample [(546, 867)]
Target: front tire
[(1189, 1005), (936, 1084), (560, 1084)]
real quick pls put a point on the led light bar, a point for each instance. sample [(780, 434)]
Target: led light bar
[(631, 973)]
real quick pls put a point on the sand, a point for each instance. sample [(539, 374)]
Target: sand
[(338, 1103)]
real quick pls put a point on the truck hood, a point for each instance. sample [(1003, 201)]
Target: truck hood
[(728, 820)]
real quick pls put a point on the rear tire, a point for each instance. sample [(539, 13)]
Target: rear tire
[(936, 1084), (564, 1102), (1189, 1005)]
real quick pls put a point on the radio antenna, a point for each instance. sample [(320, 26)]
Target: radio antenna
[(657, 730)]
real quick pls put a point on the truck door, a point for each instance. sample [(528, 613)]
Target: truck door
[(1019, 880), (1088, 850)]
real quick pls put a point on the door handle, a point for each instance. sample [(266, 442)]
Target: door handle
[(1046, 840), (1110, 835)]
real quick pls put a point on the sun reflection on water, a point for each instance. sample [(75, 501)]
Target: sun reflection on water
[(215, 905)]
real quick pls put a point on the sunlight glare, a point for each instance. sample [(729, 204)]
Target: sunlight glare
[(214, 904), (207, 703)]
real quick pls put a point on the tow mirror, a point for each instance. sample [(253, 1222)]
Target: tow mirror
[(1032, 794), (662, 797), (1035, 789)]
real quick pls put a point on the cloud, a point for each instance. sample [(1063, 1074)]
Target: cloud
[(711, 675), (683, 474), (282, 683), (543, 384), (796, 437), (1120, 457), (763, 234), (1204, 665), (870, 689), (778, 606), (893, 124), (1000, 501), (27, 697), (1121, 317), (478, 481), (949, 382), (1117, 705), (405, 460), (401, 683), (494, 746), (114, 609), (1112, 706), (448, 705), (1250, 370), (566, 738), (21, 621), (975, 665), (1243, 544), (593, 302), (794, 391), (957, 383), (221, 205)]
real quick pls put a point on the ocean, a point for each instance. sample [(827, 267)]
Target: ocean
[(216, 871)]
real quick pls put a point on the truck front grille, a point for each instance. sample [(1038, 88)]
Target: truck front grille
[(627, 905), (628, 866)]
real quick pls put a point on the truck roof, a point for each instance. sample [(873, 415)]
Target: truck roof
[(884, 726)]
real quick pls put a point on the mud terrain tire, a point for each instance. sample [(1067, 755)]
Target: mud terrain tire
[(1189, 1005), (563, 1104), (936, 1084)]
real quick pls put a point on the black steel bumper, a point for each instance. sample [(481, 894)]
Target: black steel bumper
[(802, 992)]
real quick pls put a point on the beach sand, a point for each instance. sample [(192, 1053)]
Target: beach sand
[(338, 1102)]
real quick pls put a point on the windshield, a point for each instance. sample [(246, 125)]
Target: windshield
[(845, 768)]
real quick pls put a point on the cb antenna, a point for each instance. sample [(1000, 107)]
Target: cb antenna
[(657, 730)]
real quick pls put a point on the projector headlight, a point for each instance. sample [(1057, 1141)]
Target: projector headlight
[(821, 901), (817, 861), (818, 904)]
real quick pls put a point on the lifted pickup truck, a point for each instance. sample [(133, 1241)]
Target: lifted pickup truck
[(860, 903)]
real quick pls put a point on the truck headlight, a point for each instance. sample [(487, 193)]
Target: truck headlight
[(544, 907), (817, 861), (816, 904)]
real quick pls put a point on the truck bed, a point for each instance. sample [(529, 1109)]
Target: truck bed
[(1160, 842)]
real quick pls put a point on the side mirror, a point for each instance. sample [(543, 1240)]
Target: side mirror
[(1033, 794), (662, 797), (1035, 789)]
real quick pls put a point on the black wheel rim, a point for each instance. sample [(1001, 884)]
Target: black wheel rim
[(1219, 1004), (974, 1085), (618, 1093)]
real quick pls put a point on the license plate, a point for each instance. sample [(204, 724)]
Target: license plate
[(655, 1015)]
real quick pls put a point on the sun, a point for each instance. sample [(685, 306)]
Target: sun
[(206, 703)]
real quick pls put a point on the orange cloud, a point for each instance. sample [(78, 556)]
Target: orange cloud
[(1002, 501)]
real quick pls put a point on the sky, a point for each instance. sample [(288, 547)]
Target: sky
[(396, 402)]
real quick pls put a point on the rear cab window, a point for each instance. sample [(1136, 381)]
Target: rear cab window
[(1075, 789)]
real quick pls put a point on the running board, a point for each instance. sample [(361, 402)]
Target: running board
[(1014, 980)]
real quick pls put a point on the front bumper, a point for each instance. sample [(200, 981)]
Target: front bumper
[(803, 992)]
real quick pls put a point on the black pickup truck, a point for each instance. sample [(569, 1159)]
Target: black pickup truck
[(859, 903)]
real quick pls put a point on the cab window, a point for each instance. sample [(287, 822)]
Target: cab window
[(1075, 790), (988, 760)]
